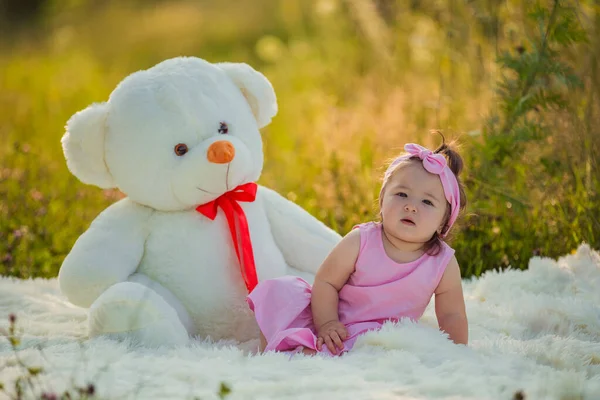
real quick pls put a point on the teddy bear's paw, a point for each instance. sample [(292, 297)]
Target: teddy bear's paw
[(134, 311)]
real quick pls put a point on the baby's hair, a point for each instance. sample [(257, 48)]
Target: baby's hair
[(455, 162)]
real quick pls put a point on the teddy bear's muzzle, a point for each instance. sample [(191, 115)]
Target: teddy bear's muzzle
[(221, 152)]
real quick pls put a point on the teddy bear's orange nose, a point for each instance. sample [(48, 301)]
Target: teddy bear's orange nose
[(220, 152)]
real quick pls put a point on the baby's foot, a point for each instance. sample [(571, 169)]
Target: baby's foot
[(302, 349), (308, 351)]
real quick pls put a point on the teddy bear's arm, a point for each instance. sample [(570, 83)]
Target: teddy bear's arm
[(107, 253), (303, 240)]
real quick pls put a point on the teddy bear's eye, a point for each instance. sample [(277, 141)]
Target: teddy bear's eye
[(223, 128), (181, 149)]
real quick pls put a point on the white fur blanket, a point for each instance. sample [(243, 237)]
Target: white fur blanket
[(535, 331)]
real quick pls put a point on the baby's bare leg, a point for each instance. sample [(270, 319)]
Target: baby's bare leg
[(263, 342), (263, 345)]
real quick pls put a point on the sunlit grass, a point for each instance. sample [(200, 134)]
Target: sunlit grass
[(350, 95)]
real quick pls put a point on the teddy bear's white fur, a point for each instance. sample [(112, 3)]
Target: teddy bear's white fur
[(150, 267)]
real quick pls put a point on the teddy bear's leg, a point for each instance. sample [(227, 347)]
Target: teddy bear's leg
[(168, 296), (137, 312)]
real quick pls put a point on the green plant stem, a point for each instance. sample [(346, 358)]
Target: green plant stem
[(511, 120)]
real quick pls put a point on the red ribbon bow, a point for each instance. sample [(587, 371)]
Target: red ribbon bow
[(229, 203)]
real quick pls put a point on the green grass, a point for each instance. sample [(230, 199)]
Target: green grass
[(352, 89)]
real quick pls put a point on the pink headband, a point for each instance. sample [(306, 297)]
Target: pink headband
[(434, 163)]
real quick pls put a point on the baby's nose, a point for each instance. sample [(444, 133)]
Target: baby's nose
[(220, 152), (410, 207)]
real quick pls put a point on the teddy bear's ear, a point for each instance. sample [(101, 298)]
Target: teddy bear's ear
[(256, 88), (83, 146)]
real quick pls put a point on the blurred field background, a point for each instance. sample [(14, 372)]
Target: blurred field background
[(515, 82)]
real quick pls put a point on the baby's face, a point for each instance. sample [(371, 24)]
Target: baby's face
[(413, 205)]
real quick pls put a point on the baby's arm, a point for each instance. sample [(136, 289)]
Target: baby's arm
[(331, 277), (450, 304)]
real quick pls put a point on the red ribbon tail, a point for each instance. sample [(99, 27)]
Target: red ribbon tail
[(247, 264), (243, 250)]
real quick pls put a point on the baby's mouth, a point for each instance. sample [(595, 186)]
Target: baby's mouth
[(408, 221)]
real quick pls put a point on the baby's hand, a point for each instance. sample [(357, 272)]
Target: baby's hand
[(332, 333)]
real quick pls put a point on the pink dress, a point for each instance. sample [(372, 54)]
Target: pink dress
[(378, 290)]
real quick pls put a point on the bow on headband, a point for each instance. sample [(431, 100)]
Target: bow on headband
[(434, 163)]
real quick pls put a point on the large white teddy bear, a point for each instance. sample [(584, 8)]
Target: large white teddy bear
[(177, 257)]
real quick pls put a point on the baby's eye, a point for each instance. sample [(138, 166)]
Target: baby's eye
[(401, 194), (429, 203)]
